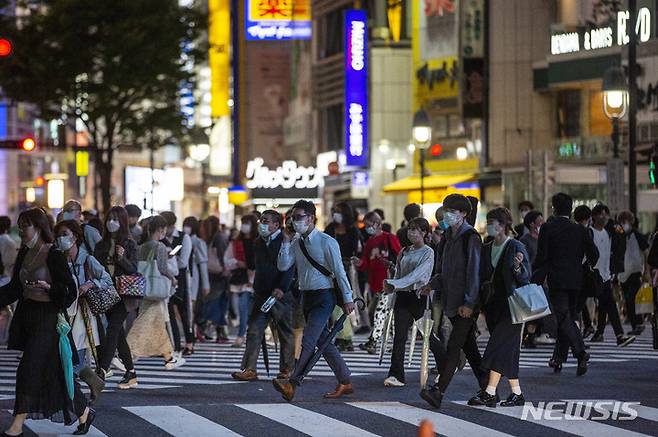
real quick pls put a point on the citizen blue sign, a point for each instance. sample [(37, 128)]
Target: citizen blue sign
[(356, 88)]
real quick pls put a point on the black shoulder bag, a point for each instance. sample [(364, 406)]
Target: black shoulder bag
[(322, 269)]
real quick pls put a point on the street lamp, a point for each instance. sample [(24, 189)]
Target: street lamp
[(615, 101), (422, 134)]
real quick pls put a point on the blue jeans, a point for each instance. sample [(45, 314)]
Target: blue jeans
[(318, 306), (242, 306), (215, 310), (82, 355)]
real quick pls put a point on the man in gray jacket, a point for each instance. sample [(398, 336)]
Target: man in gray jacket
[(457, 280)]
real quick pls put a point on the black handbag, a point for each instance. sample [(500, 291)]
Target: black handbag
[(100, 300), (592, 281), (322, 269), (239, 277)]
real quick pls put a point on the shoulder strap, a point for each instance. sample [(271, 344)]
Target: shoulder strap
[(322, 269), (84, 240)]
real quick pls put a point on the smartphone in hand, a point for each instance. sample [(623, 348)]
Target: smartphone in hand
[(175, 250)]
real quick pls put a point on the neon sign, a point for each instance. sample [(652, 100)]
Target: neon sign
[(356, 88)]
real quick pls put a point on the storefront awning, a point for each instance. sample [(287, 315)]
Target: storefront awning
[(412, 183)]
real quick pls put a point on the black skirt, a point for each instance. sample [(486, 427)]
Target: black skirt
[(504, 348), (40, 385)]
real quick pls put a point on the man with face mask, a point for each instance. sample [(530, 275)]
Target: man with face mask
[(314, 248), (269, 282), (73, 211), (457, 280), (525, 207), (180, 300), (134, 213)]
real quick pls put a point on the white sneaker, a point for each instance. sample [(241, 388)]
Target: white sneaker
[(392, 381), (174, 363), (116, 362), (544, 339), (109, 374)]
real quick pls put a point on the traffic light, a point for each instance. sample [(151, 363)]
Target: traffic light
[(27, 144), (5, 48), (653, 170)]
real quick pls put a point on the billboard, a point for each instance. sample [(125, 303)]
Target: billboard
[(277, 19), (356, 88)]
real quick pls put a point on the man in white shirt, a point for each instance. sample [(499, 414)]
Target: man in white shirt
[(8, 251), (607, 305), (181, 299), (319, 296)]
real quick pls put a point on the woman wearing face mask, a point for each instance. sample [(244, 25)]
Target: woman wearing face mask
[(414, 270), (200, 282), (44, 287), (88, 273), (239, 259), (148, 336), (342, 228), (117, 251), (378, 258), (504, 262)]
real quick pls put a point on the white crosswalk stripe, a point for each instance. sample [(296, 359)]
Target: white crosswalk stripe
[(178, 421)]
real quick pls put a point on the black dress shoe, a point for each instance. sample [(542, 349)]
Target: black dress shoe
[(555, 365), (432, 396), (483, 399), (582, 364), (597, 338), (513, 400), (84, 428)]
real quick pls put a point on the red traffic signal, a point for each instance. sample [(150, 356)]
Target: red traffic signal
[(27, 144), (5, 47), (436, 150)]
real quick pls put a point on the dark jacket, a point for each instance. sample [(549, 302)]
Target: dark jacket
[(402, 237), (63, 292), (511, 279), (122, 266), (457, 269), (560, 250), (268, 277)]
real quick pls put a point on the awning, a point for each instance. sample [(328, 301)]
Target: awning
[(412, 183)]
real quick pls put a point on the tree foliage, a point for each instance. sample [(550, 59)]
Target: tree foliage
[(116, 65)]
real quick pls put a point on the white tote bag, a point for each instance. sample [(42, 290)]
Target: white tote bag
[(158, 287), (528, 303)]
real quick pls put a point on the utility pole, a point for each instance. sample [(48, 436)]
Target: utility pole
[(632, 107)]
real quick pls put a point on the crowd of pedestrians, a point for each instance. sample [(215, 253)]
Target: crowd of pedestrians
[(93, 294)]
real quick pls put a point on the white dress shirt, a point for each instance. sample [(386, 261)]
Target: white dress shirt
[(325, 251)]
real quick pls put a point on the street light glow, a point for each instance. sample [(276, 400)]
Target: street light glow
[(615, 99), (462, 153), (422, 134)]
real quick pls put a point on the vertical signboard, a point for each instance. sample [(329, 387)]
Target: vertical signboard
[(615, 185), (356, 88), (277, 19), (472, 53), (219, 57)]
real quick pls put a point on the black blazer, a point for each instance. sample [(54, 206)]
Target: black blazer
[(63, 292), (268, 277), (511, 279), (124, 266), (560, 250)]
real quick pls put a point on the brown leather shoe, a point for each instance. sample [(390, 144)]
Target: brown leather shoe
[(245, 375), (284, 387), (283, 375), (341, 390)]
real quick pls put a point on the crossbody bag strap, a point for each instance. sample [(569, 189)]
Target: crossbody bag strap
[(322, 269)]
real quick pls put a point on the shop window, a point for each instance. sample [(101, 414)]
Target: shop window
[(568, 113), (330, 37), (599, 123), (331, 130)]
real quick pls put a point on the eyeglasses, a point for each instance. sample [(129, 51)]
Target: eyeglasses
[(299, 217), (264, 221)]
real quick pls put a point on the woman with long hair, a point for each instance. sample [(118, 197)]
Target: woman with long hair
[(215, 304), (414, 269), (117, 251), (44, 287), (239, 259), (198, 267), (505, 263), (148, 336)]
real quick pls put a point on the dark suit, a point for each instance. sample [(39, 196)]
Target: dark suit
[(560, 250), (267, 279)]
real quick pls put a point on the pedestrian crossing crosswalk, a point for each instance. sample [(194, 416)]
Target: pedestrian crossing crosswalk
[(352, 419)]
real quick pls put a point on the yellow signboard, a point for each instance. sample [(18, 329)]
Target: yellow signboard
[(219, 59), (82, 163), (279, 10)]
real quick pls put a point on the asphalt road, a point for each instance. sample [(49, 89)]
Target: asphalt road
[(200, 399)]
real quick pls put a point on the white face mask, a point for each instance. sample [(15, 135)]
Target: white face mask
[(491, 230), (414, 236), (245, 228), (300, 227), (627, 227), (113, 226), (338, 217), (33, 242), (452, 218), (187, 230), (370, 230), (68, 215), (264, 230), (65, 242)]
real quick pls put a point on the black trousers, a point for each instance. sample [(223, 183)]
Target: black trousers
[(115, 339), (409, 308), (565, 303), (462, 337), (181, 301), (630, 288), (608, 311), (281, 313)]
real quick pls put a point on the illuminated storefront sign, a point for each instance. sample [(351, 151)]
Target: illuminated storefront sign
[(287, 181), (615, 33), (219, 57), (356, 88), (277, 19)]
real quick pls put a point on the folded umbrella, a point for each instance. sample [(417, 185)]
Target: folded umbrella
[(89, 330), (412, 346), (266, 356), (387, 326), (338, 326), (65, 352), (426, 323)]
